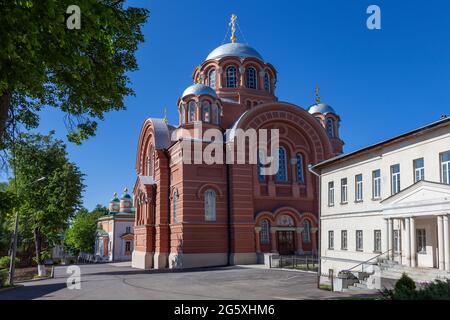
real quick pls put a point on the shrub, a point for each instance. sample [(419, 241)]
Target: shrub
[(405, 289), (5, 261), (439, 290), (3, 277)]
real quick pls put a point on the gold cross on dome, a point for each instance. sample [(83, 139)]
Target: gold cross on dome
[(317, 94), (233, 28)]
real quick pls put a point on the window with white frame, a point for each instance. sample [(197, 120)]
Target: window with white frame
[(265, 232), (421, 240), (210, 205), (343, 239), (330, 240), (306, 232), (445, 167), (395, 179), (359, 240), (376, 184), (359, 188), (344, 190), (251, 78), (231, 74), (377, 241), (212, 78), (419, 170), (331, 193)]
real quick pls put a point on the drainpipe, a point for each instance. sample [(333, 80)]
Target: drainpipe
[(229, 211), (319, 229), (169, 232)]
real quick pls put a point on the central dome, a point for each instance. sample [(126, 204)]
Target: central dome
[(234, 50)]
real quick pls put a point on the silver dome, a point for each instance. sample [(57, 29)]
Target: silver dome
[(321, 108), (234, 50), (198, 90)]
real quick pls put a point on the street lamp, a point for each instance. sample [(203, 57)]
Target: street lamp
[(14, 248)]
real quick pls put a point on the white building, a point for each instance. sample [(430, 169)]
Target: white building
[(385, 208), (115, 235)]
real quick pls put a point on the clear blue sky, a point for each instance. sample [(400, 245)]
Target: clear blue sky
[(382, 83)]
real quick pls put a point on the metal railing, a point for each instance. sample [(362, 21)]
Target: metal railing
[(346, 271), (305, 263)]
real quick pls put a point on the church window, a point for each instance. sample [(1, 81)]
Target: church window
[(206, 111), (251, 78), (300, 168), (282, 167), (210, 205), (128, 246), (267, 82), (191, 112), (231, 77), (265, 234), (330, 128), (183, 115), (212, 78), (215, 113), (174, 204), (306, 232)]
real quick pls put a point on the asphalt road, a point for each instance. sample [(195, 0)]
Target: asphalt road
[(121, 282)]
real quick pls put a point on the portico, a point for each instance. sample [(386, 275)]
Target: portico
[(416, 224)]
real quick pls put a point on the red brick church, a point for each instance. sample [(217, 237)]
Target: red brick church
[(196, 215)]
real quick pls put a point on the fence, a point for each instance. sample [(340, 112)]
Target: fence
[(306, 263), (88, 258)]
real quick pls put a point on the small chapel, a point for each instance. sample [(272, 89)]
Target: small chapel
[(198, 215)]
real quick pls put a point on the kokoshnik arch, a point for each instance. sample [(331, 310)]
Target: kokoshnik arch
[(197, 215)]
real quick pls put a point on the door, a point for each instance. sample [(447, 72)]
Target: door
[(286, 242)]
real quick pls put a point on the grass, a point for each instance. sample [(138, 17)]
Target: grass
[(324, 286)]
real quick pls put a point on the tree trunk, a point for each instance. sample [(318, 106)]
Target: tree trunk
[(38, 243), (5, 104)]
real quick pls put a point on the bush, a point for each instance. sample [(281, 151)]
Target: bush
[(3, 277), (405, 289), (5, 261), (439, 290)]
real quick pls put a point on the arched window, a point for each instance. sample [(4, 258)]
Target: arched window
[(267, 82), (282, 169), (300, 168), (231, 77), (183, 115), (191, 112), (174, 209), (330, 128), (265, 233), (306, 232), (261, 160), (251, 78), (212, 78), (210, 205), (206, 111), (215, 113)]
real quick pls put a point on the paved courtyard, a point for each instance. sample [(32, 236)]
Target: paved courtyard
[(120, 281)]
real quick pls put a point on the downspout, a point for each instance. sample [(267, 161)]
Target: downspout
[(169, 232), (319, 229), (228, 208), (113, 239)]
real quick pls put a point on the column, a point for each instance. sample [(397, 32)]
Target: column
[(387, 235), (391, 239), (400, 239), (257, 239), (408, 241), (219, 78), (241, 77), (446, 244), (300, 240), (440, 236), (273, 240), (413, 242), (314, 240)]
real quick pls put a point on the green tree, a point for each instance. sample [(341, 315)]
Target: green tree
[(7, 202), (80, 237), (46, 207), (81, 72)]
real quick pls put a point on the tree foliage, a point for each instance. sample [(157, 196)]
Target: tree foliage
[(45, 206), (80, 237), (81, 72)]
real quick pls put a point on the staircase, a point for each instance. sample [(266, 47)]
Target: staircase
[(393, 270)]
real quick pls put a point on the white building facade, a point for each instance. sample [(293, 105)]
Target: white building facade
[(389, 202)]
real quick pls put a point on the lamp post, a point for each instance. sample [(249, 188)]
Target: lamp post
[(14, 247)]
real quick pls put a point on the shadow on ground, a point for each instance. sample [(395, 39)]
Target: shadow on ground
[(31, 292)]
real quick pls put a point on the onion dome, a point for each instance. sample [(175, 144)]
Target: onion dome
[(321, 108), (114, 204), (239, 50), (125, 202), (198, 90)]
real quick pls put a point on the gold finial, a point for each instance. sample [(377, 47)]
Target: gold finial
[(233, 28), (125, 190), (317, 94), (165, 116)]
